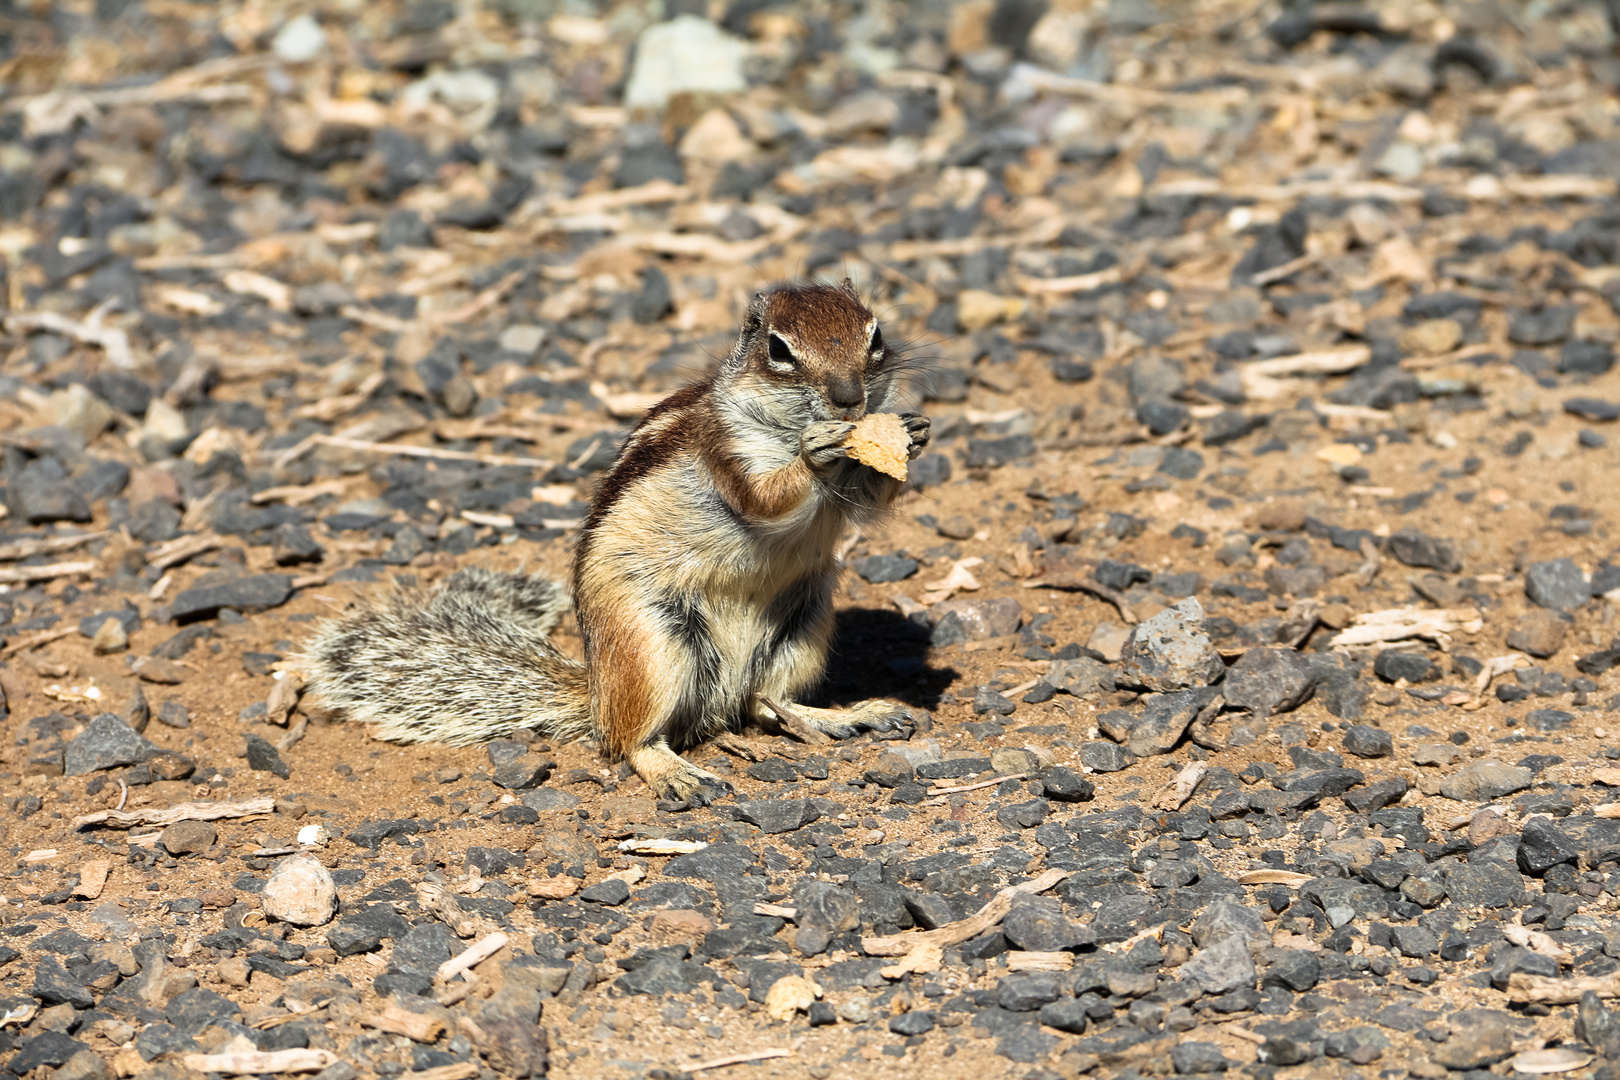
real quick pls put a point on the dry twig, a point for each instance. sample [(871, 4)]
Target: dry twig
[(469, 958), (1088, 585), (191, 811), (109, 339), (25, 549), (260, 1061), (738, 1059), (20, 575)]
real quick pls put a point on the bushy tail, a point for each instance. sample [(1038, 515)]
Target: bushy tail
[(466, 662)]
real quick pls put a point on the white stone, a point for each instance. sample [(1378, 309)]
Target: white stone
[(78, 410), (1402, 161), (314, 834), (299, 40), (470, 94), (163, 422), (684, 54), (300, 891), (522, 338)]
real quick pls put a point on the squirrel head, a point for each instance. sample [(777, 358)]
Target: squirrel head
[(815, 351)]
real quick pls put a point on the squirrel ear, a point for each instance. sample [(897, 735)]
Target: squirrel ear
[(754, 318)]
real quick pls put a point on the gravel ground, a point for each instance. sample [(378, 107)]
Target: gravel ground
[(1254, 599)]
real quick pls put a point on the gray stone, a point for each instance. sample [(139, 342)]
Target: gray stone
[(1361, 1044), (54, 986), (1083, 676), (1539, 633), (988, 700), (1189, 1058), (777, 815), (1325, 782), (1223, 919), (980, 620), (916, 1022), (1028, 992), (1171, 651), (611, 892), (1037, 924), (1484, 885), (105, 743), (543, 800), (881, 569), (262, 756), (1377, 795), (513, 1041), (1023, 815), (48, 1048), (85, 1065), (826, 906), (1366, 741), (1159, 724), (522, 772), (1026, 1044), (1542, 326), (188, 837), (1542, 846), (1294, 969), (1267, 681), (1557, 584), (257, 592), (128, 618), (1100, 756), (1067, 1014), (195, 1009), (1066, 785), (1594, 1024), (1393, 665), (1485, 780), (1414, 942), (1226, 965), (1416, 548), (1483, 1040)]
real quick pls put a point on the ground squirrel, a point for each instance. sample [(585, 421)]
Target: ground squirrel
[(703, 576)]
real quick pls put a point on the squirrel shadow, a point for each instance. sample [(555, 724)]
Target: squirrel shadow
[(879, 653)]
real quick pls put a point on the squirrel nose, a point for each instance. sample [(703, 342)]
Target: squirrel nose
[(846, 392)]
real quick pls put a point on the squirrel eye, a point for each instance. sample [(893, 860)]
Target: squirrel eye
[(779, 351), (877, 340)]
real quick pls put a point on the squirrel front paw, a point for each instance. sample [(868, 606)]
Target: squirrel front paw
[(917, 426), (822, 443)]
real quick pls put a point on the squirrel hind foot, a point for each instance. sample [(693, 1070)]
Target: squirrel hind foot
[(676, 781)]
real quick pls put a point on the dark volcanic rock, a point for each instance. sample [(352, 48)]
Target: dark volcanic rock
[(1159, 725), (1484, 885), (1171, 651), (1543, 845), (1557, 584), (1365, 741), (256, 593), (105, 743), (778, 815), (1267, 681)]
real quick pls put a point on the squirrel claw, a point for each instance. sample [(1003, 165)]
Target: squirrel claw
[(918, 428), (822, 443), (689, 790)]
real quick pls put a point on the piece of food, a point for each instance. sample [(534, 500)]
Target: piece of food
[(881, 441)]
